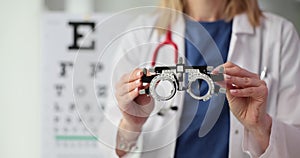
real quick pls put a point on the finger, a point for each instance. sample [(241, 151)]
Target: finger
[(243, 82), (229, 65), (234, 70), (231, 86), (132, 76), (129, 77), (129, 97), (128, 87), (260, 91), (237, 71), (226, 83)]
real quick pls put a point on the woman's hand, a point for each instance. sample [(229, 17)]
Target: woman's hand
[(135, 108), (247, 96)]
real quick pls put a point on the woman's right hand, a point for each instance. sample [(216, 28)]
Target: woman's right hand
[(135, 108)]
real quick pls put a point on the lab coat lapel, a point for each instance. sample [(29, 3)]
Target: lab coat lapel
[(243, 48)]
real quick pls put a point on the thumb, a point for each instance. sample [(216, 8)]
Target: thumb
[(229, 96)]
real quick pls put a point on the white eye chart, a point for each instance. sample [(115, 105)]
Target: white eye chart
[(74, 84)]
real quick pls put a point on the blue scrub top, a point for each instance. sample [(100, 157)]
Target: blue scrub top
[(215, 144)]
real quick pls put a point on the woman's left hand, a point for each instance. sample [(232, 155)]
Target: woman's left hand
[(247, 96)]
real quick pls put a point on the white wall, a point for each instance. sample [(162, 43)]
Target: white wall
[(289, 9), (100, 5), (19, 79), (118, 5)]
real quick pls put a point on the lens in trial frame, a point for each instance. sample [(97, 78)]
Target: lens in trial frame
[(200, 87), (163, 87)]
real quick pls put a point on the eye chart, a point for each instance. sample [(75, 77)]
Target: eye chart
[(74, 83)]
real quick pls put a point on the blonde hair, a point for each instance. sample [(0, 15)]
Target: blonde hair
[(232, 8)]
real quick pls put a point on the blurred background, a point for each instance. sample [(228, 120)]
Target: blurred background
[(20, 62)]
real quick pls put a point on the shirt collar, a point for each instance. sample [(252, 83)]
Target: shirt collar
[(242, 25)]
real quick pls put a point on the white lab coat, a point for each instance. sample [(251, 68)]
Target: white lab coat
[(274, 44)]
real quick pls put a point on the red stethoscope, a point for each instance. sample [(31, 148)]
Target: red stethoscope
[(168, 41)]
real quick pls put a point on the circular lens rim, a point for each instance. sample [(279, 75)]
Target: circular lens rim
[(211, 87), (163, 77)]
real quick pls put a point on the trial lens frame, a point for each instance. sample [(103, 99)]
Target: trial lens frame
[(175, 76)]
